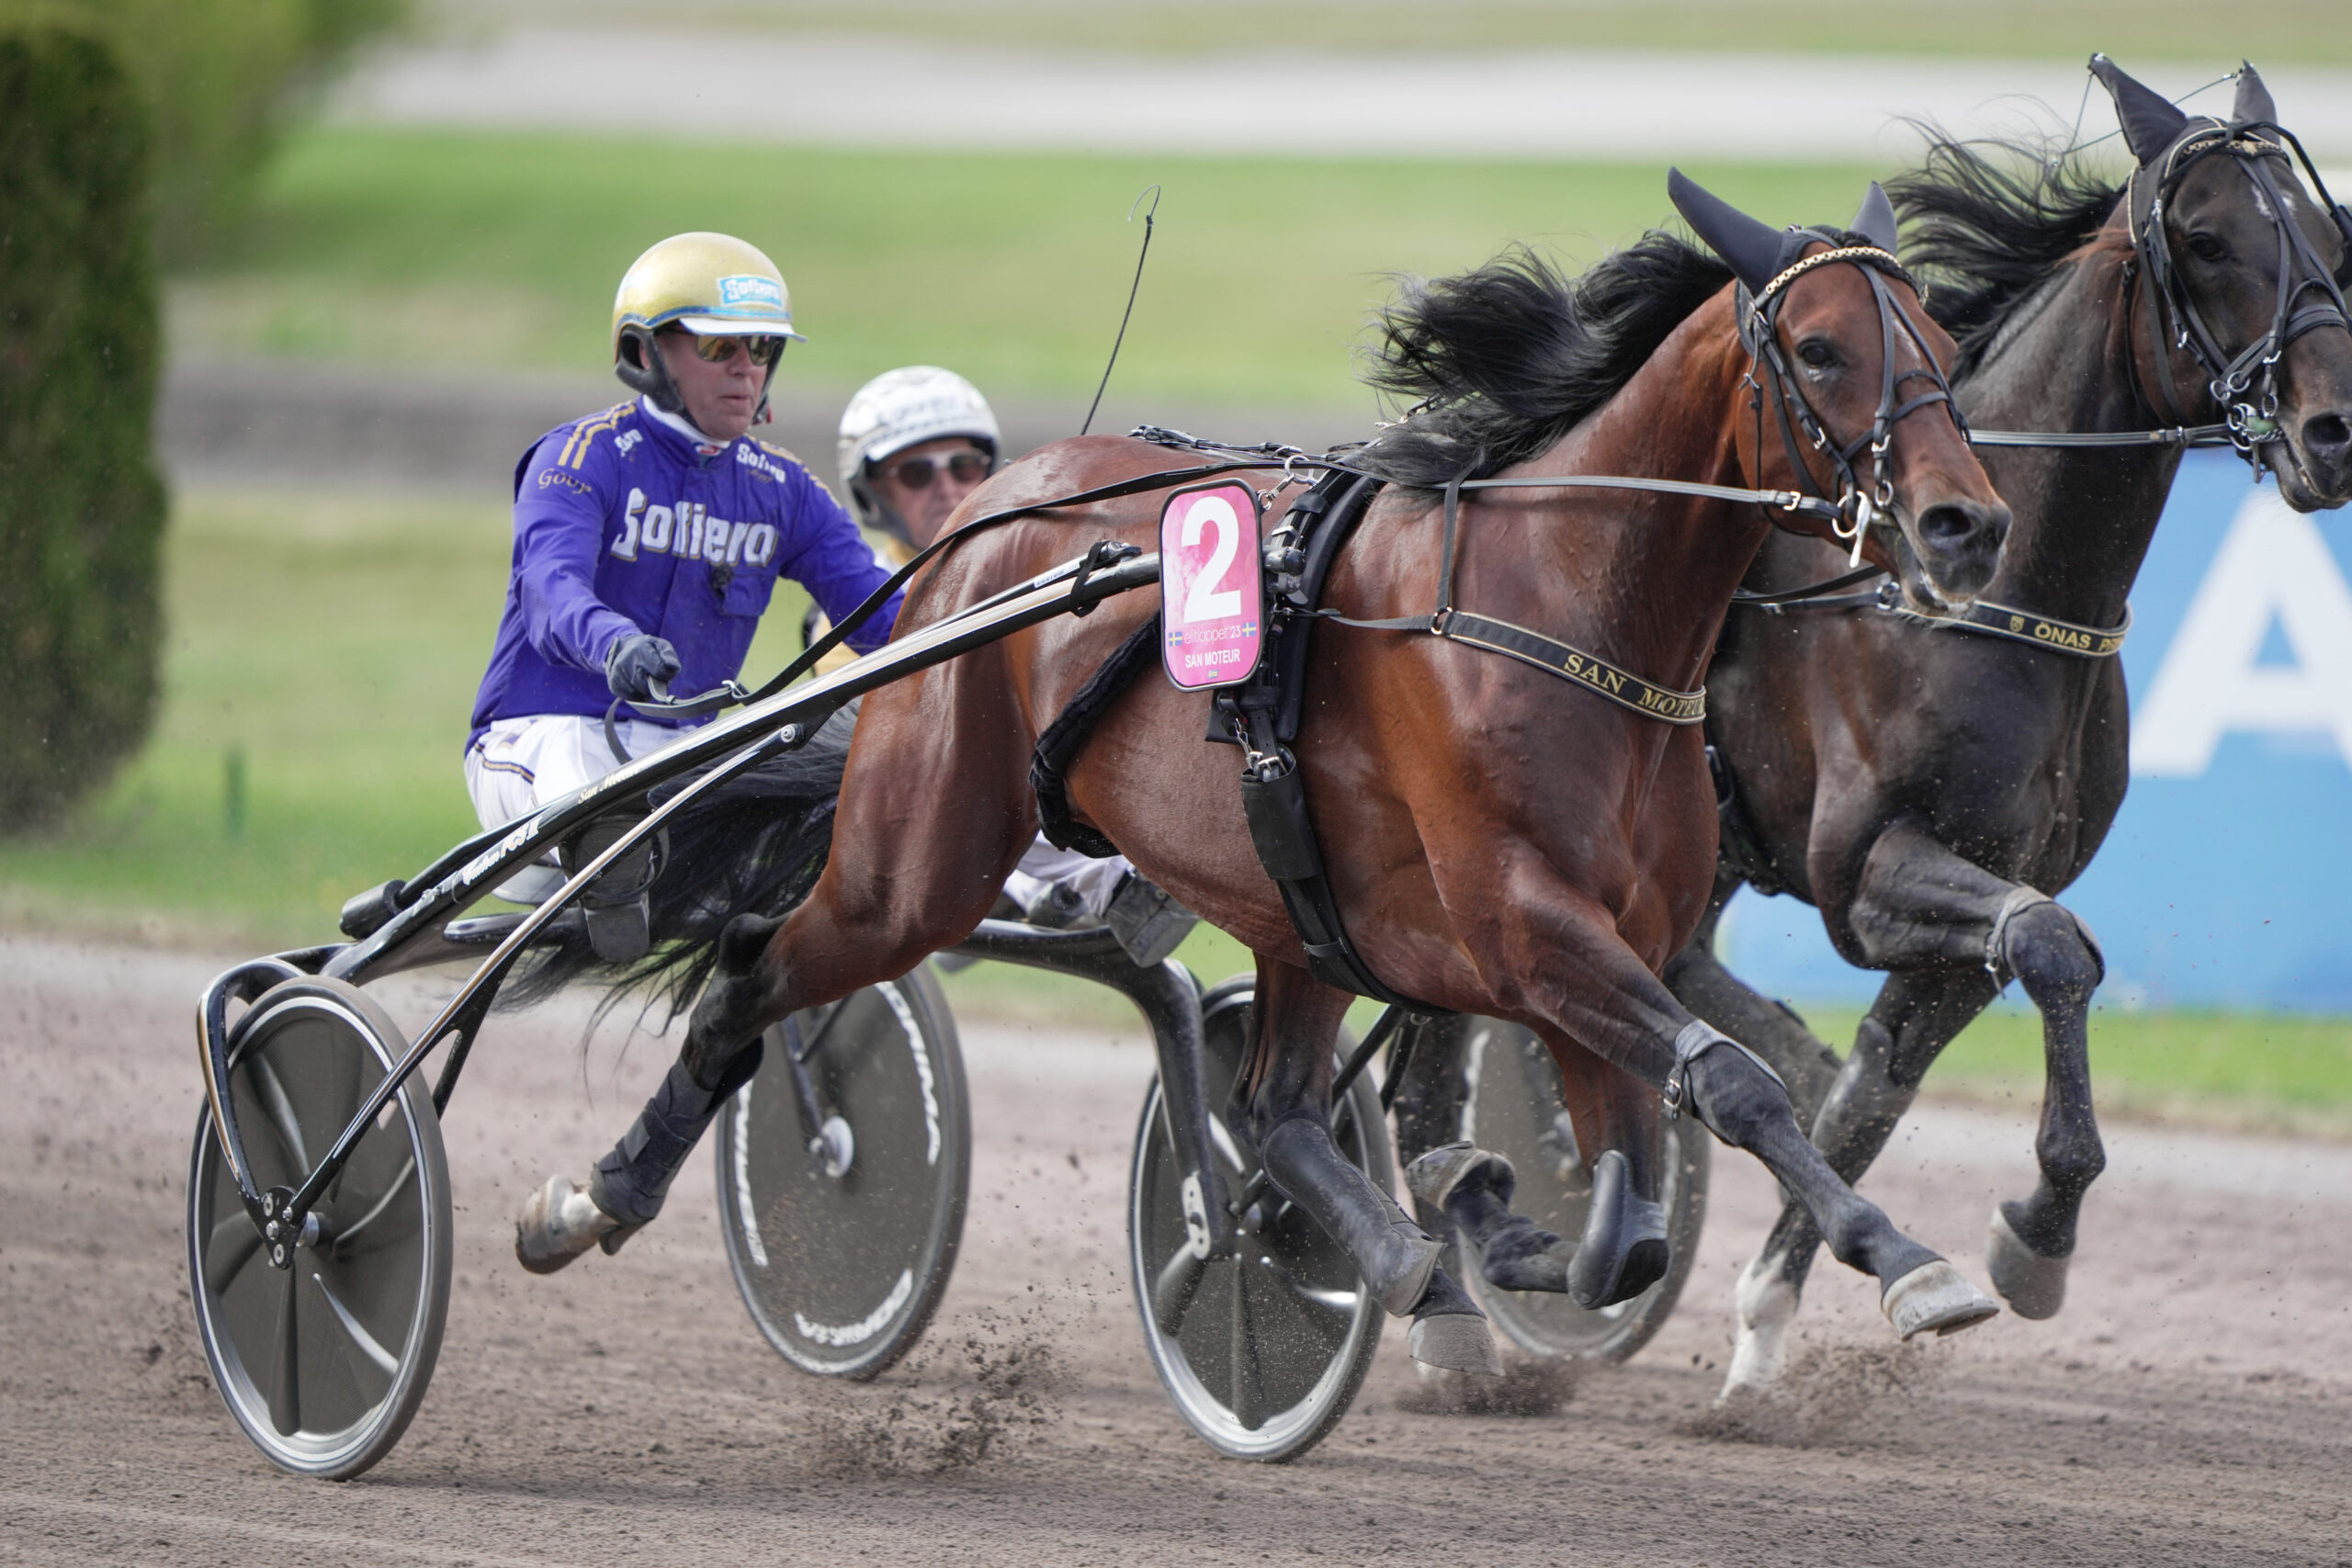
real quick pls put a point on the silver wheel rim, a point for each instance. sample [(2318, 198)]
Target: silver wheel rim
[(347, 1366), (1284, 1278)]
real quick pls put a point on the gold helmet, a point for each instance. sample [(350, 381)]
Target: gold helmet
[(703, 283)]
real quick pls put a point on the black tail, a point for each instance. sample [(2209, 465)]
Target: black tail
[(753, 846)]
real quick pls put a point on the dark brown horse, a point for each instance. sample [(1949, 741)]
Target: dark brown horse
[(1502, 841), (1926, 787)]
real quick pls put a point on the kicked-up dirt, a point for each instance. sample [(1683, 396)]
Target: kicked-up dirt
[(2192, 1404)]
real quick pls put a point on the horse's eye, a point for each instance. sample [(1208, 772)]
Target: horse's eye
[(2207, 247), (1817, 354)]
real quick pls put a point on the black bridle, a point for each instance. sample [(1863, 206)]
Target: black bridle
[(2243, 384), (1858, 505)]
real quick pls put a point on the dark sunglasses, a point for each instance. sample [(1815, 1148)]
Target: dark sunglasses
[(964, 468), (763, 351)]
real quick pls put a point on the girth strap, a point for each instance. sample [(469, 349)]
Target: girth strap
[(1058, 746)]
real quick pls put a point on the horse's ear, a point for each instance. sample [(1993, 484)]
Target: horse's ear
[(2253, 105), (1752, 249), (2150, 124), (1875, 222)]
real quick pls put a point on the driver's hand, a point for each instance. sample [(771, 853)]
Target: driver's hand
[(634, 663)]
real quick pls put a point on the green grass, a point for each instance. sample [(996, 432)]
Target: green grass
[(2261, 1071), (461, 250), (2305, 31)]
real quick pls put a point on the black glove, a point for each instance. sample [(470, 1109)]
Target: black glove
[(634, 663)]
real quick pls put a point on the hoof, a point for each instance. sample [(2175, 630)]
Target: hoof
[(1455, 1341), (1450, 1332), (560, 1222), (1935, 1296), (2034, 1286), (1765, 1305)]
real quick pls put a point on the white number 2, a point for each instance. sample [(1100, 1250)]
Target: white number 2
[(1205, 601)]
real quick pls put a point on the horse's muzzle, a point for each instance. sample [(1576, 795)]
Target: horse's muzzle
[(1960, 544)]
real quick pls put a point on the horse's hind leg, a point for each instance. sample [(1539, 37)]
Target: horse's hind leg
[(905, 878), (1915, 1017), (1287, 1088), (1471, 1187)]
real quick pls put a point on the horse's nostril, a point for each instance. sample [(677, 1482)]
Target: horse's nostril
[(2328, 436), (1948, 525)]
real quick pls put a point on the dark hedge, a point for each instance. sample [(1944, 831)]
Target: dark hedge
[(81, 504)]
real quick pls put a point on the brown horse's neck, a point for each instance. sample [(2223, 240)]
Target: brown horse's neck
[(1649, 576), (2067, 360)]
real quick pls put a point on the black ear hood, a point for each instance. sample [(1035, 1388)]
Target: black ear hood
[(1875, 220), (1756, 252), (2150, 124), (2253, 105)]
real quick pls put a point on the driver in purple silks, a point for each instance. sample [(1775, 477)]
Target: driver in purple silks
[(648, 541)]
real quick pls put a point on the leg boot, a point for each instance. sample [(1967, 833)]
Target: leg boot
[(1394, 1256)]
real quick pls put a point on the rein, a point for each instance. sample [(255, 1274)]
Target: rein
[(729, 694)]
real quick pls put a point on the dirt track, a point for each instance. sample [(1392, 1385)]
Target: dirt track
[(2193, 1405)]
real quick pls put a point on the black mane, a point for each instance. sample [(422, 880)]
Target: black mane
[(1506, 358), (1984, 222)]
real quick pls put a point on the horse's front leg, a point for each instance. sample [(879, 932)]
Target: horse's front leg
[(1916, 1015), (1597, 991), (1918, 902), (1287, 1092), (1698, 980)]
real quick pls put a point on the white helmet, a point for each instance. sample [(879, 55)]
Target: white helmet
[(903, 407)]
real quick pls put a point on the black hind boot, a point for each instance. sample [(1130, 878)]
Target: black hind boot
[(1623, 1250), (630, 1182), (1394, 1256), (1473, 1187)]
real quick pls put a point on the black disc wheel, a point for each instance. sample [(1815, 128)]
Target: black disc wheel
[(1511, 1103), (323, 1361), (843, 1217), (1261, 1352)]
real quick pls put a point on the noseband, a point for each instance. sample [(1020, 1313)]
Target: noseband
[(2244, 384), (1858, 505)]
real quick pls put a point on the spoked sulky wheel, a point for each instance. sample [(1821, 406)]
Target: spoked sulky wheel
[(1261, 1352), (322, 1361), (843, 1172), (1512, 1104)]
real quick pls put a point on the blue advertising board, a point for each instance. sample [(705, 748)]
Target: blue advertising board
[(2223, 882)]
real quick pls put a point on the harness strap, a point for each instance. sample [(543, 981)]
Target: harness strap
[(1985, 618), (1058, 746), (1596, 674), (2024, 625)]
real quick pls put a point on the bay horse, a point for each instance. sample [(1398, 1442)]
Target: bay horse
[(1499, 843), (1926, 789)]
